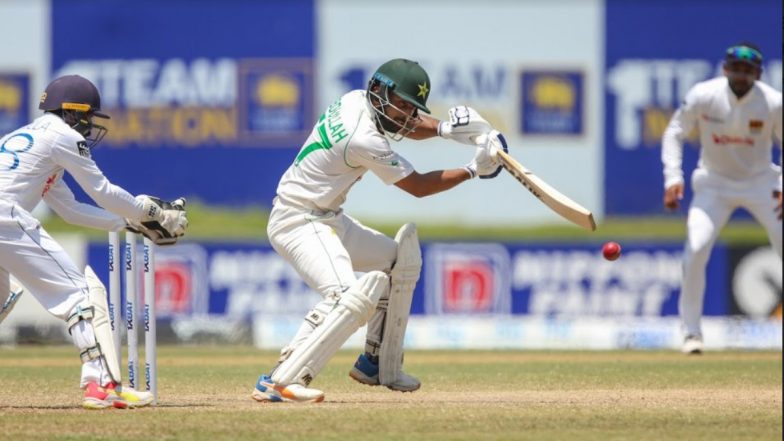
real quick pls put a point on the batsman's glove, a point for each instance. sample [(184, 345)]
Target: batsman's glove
[(464, 125), (486, 164), (163, 222)]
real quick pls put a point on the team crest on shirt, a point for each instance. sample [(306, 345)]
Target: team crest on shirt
[(755, 126), (84, 151)]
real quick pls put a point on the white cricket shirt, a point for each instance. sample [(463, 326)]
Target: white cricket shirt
[(736, 135), (343, 145), (33, 160)]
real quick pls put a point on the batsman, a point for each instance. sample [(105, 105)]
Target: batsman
[(33, 160), (327, 247)]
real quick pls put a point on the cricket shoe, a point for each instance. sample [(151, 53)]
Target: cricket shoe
[(97, 397), (14, 295), (366, 372), (267, 391), (692, 345), (133, 398)]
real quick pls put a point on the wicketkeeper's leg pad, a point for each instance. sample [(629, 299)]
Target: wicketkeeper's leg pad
[(404, 277), (353, 310), (98, 343)]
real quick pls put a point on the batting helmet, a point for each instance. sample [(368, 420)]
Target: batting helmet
[(406, 79)]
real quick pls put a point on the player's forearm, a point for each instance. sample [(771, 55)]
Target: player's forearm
[(672, 157), (421, 185), (86, 215)]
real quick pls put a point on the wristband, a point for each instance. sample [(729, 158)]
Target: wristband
[(471, 169), (442, 128)]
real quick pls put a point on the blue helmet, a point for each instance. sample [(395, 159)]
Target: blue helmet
[(75, 98)]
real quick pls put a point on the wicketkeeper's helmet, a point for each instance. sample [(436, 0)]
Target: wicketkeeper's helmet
[(74, 98)]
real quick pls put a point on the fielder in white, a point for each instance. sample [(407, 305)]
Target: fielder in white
[(33, 160), (309, 229), (737, 117)]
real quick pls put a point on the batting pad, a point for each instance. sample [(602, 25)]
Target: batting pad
[(405, 275), (353, 310)]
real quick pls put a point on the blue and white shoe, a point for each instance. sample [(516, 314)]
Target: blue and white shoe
[(15, 293), (267, 391), (366, 372)]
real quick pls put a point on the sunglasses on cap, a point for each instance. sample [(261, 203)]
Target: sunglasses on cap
[(743, 54)]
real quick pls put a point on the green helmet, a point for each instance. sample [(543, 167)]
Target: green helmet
[(406, 79)]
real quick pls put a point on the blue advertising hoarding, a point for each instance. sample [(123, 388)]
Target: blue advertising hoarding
[(655, 51), (208, 100), (476, 278)]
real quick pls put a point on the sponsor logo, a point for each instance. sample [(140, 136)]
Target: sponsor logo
[(202, 101), (572, 283), (552, 102), (645, 92), (111, 315), (131, 371), (111, 257), (275, 101), (129, 318), (146, 316), (84, 151), (181, 286), (146, 257), (128, 258), (14, 108), (732, 140), (467, 278), (147, 374), (259, 282), (757, 282)]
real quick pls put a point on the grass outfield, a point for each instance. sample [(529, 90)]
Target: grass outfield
[(212, 223), (586, 396)]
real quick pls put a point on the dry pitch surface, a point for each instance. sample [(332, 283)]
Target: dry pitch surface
[(205, 395)]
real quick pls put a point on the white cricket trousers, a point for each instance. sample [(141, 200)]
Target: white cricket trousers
[(715, 199), (48, 273), (326, 248)]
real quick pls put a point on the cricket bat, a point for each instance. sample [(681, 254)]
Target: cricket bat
[(567, 208)]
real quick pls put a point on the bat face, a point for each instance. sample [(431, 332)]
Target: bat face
[(567, 208)]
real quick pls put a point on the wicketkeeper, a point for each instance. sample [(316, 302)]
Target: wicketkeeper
[(33, 160), (308, 228)]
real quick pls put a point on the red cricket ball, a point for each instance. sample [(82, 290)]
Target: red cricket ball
[(611, 250)]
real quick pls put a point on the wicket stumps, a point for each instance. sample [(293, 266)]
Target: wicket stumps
[(131, 315)]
